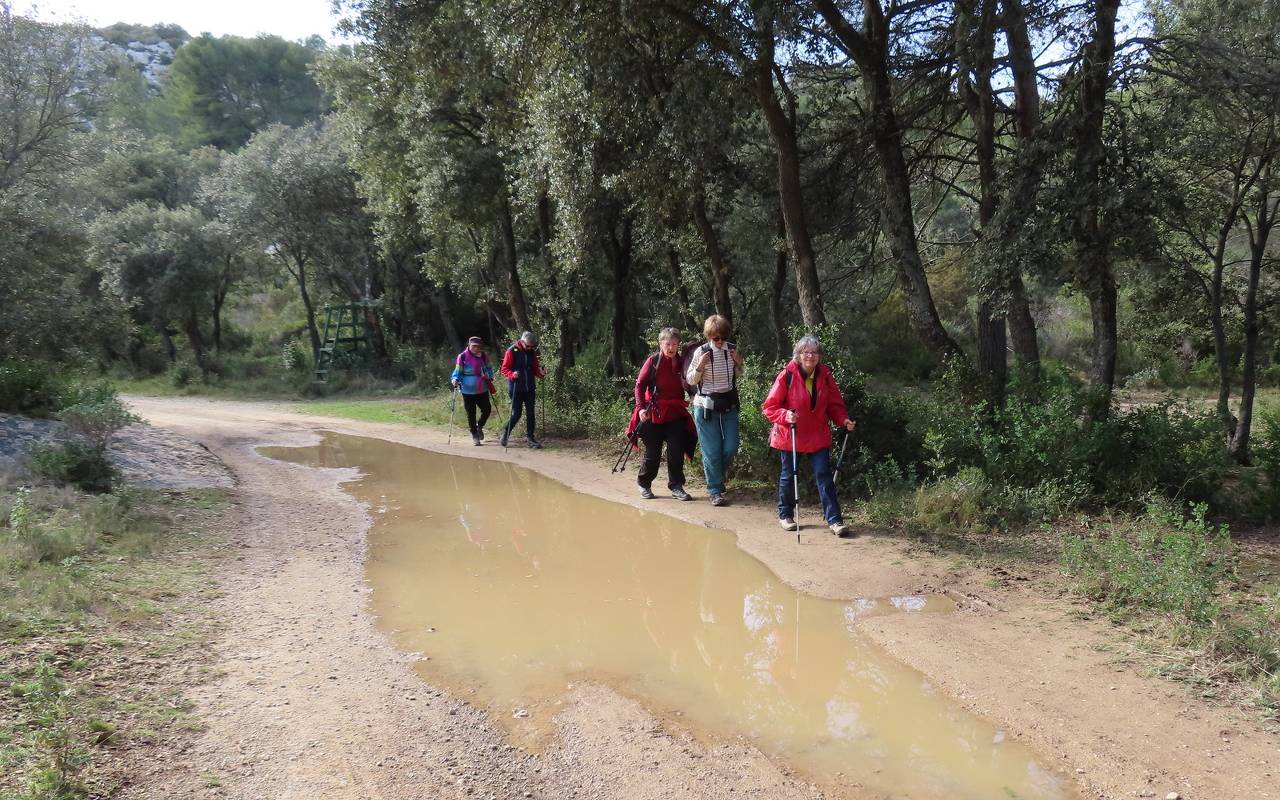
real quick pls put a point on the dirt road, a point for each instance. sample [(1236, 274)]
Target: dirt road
[(311, 701)]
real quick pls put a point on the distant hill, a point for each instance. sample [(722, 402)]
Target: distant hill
[(150, 48)]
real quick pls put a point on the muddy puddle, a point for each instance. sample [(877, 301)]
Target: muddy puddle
[(514, 587)]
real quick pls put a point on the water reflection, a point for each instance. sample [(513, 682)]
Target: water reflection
[(514, 586)]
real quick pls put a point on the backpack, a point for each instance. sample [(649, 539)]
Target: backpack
[(720, 401)]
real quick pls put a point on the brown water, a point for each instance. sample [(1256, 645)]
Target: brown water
[(514, 586)]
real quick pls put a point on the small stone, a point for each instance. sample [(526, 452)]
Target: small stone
[(1172, 796), (521, 713), (1079, 770)]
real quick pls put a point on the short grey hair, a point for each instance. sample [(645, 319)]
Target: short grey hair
[(806, 343), (668, 333), (528, 338)]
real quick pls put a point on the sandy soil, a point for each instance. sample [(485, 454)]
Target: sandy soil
[(313, 702)]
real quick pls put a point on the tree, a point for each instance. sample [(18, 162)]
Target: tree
[(49, 81), (292, 191), (1212, 114), (227, 88), (166, 264), (870, 48)]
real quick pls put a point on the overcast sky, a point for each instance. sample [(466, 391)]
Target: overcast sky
[(291, 19)]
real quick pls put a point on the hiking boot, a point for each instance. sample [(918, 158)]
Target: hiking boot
[(534, 444), (718, 500), (503, 440), (841, 530), (788, 524), (476, 440), (480, 434), (680, 494), (646, 492)]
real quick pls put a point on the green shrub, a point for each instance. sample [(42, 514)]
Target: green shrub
[(46, 709), (1170, 562), (959, 502), (184, 374), (30, 388), (96, 413), (73, 463)]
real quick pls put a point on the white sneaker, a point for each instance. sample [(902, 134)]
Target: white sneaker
[(788, 524), (840, 529)]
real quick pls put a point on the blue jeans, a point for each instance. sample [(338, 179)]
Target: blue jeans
[(821, 462), (718, 438)]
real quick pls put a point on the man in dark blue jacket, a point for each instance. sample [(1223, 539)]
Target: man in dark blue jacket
[(521, 368)]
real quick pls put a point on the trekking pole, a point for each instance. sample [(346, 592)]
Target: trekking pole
[(620, 463), (840, 458), (453, 407), (795, 482)]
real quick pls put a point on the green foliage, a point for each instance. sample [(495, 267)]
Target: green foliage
[(227, 88), (92, 413), (95, 413), (46, 708), (30, 388), (1170, 562), (1057, 437), (73, 463)]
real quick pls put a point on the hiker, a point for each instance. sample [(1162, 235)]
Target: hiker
[(521, 368), (662, 416), (713, 373), (803, 398), (473, 376)]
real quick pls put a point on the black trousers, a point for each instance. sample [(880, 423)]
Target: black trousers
[(521, 401), (671, 433), (472, 402)]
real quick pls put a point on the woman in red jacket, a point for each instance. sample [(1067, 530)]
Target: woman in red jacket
[(803, 399), (662, 416)]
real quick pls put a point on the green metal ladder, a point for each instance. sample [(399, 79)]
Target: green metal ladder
[(345, 326)]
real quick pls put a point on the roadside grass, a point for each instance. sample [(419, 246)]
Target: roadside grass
[(100, 625), (430, 410), (1202, 610)]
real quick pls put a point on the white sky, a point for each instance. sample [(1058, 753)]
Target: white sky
[(290, 19)]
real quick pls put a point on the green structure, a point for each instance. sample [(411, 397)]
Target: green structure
[(346, 329)]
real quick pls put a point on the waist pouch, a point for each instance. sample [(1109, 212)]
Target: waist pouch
[(720, 401)]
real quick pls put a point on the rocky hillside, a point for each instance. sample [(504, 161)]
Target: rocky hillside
[(148, 48)]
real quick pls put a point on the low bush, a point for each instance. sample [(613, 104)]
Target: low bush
[(74, 463), (1170, 561), (93, 413), (30, 388)]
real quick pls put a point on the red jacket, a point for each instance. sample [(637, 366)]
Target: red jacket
[(525, 361), (659, 389), (813, 433)]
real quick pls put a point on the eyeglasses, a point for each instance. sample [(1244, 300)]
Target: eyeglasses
[(808, 353)]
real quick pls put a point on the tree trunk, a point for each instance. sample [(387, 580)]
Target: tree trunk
[(1017, 202), (515, 293), (720, 272), (617, 247), (191, 327), (870, 51), (779, 284), (219, 298), (299, 270), (676, 272), (1093, 245), (1258, 246), (783, 131), (1022, 330), (169, 348), (976, 48), (446, 319), (1220, 353)]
